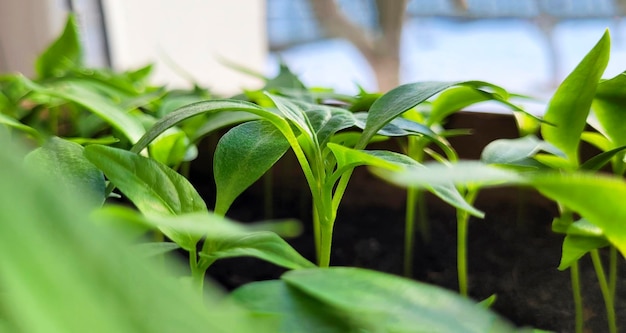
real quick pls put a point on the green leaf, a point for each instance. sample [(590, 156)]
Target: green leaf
[(63, 54), (96, 103), (570, 104), (608, 108), (512, 151), (151, 186), (396, 102), (298, 313), (379, 302), (224, 238), (398, 127), (453, 100), (264, 245), (462, 173), (171, 148), (212, 106), (597, 140), (65, 165), (93, 281), (292, 111), (242, 156), (348, 158), (13, 123), (575, 247), (285, 79), (600, 160), (326, 121), (597, 198), (488, 302), (220, 120), (153, 249), (554, 162)]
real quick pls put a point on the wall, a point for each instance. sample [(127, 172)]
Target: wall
[(26, 27), (191, 35)]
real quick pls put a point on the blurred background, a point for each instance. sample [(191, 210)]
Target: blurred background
[(526, 46)]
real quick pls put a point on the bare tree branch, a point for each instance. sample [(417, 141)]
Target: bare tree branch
[(335, 24)]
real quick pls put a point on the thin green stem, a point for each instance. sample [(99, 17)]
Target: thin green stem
[(197, 273), (317, 233), (326, 216), (604, 288), (461, 247), (578, 297)]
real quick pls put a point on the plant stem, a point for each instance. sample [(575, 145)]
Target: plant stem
[(326, 216), (578, 298), (461, 247), (197, 273), (604, 288)]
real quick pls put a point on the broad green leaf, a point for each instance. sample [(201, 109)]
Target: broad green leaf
[(264, 245), (172, 148), (224, 238), (285, 79), (13, 123), (453, 100), (554, 162), (63, 54), (379, 302), (64, 163), (575, 247), (462, 173), (608, 108), (451, 195), (597, 198), (527, 125), (398, 127), (348, 159), (407, 96), (326, 121), (242, 156), (93, 282), (151, 186), (75, 92), (570, 104), (396, 102), (297, 312), (292, 111), (105, 140), (212, 106), (597, 140), (602, 159), (511, 151), (220, 120), (147, 250)]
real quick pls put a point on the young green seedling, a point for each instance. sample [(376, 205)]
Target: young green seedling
[(568, 113), (170, 203)]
